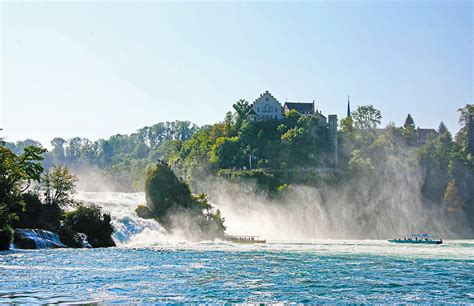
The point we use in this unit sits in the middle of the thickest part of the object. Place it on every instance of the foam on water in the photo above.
(130, 230)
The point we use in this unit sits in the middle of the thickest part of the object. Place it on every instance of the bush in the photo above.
(92, 222)
(6, 232)
(35, 214)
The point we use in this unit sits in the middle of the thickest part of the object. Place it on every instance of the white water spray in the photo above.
(130, 230)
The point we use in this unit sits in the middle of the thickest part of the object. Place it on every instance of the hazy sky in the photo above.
(94, 69)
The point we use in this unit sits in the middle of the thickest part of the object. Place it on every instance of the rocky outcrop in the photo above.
(144, 212)
(74, 239)
(37, 239)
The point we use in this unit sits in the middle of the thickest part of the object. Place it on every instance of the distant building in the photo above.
(423, 135)
(265, 107)
(306, 109)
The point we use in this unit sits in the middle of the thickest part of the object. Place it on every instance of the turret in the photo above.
(348, 107)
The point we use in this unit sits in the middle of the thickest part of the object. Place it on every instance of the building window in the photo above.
(258, 109)
(266, 99)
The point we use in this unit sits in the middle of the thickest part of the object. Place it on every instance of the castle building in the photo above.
(306, 109)
(267, 107)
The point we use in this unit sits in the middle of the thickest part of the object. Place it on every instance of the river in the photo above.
(151, 266)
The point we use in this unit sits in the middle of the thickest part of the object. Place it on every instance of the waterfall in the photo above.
(130, 230)
(36, 239)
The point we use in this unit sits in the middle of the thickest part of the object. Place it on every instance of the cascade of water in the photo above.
(37, 239)
(130, 230)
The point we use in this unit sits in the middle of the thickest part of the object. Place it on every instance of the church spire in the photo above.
(348, 107)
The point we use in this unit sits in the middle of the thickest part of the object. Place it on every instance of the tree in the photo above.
(347, 124)
(16, 174)
(444, 135)
(465, 136)
(442, 128)
(409, 123)
(242, 107)
(470, 135)
(366, 117)
(58, 150)
(452, 198)
(358, 163)
(59, 186)
(409, 132)
(73, 150)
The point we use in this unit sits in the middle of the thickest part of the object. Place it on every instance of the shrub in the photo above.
(6, 232)
(38, 215)
(92, 222)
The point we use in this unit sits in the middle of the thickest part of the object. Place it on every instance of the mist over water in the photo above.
(382, 206)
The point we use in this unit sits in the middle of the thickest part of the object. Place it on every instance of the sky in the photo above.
(98, 68)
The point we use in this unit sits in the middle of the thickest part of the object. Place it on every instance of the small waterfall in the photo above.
(36, 239)
(130, 230)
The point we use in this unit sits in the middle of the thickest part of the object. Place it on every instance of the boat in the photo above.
(417, 239)
(244, 239)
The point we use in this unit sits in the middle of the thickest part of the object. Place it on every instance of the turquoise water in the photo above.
(311, 271)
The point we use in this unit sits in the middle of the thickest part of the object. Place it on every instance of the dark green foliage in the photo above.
(16, 174)
(22, 209)
(35, 214)
(466, 133)
(295, 142)
(6, 231)
(164, 190)
(409, 123)
(470, 135)
(171, 201)
(92, 222)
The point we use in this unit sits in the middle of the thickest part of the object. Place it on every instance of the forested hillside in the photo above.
(277, 154)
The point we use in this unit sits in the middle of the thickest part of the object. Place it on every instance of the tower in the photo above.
(348, 107)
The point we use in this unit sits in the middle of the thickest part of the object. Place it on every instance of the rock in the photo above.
(36, 239)
(74, 239)
(144, 212)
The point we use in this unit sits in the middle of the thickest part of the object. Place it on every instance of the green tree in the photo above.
(347, 125)
(452, 198)
(16, 174)
(360, 164)
(57, 152)
(366, 117)
(59, 186)
(241, 107)
(465, 136)
(409, 123)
